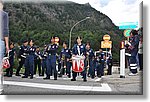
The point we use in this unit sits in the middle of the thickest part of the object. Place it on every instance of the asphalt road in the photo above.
(111, 84)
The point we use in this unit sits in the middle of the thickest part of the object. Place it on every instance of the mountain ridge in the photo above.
(43, 20)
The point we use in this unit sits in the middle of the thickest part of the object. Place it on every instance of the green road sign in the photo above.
(127, 33)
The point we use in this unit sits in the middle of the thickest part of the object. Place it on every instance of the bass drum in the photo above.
(5, 63)
(78, 63)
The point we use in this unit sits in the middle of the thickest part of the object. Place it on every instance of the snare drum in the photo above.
(78, 63)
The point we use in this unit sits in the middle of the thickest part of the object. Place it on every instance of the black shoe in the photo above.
(18, 75)
(55, 78)
(84, 80)
(68, 75)
(73, 79)
(92, 77)
(24, 77)
(9, 76)
(31, 77)
(46, 78)
(6, 75)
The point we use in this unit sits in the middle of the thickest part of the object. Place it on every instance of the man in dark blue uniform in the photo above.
(79, 49)
(51, 59)
(22, 56)
(65, 56)
(44, 57)
(29, 62)
(89, 60)
(9, 71)
(37, 61)
(100, 63)
(133, 47)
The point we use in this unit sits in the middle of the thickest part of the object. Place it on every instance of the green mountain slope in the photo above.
(43, 20)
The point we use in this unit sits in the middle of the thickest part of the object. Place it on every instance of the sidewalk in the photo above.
(127, 85)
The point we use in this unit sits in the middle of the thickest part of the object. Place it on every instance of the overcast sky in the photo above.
(118, 10)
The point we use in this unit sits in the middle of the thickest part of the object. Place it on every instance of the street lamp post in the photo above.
(73, 27)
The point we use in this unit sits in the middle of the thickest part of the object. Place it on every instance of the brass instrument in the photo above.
(63, 60)
(63, 65)
(88, 61)
(38, 56)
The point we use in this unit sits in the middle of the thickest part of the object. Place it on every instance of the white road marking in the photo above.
(67, 78)
(104, 86)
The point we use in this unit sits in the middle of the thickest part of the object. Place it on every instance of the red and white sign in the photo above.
(78, 63)
(106, 37)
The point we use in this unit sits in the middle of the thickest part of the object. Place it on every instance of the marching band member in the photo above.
(79, 49)
(100, 63)
(37, 61)
(109, 63)
(51, 59)
(44, 57)
(9, 71)
(59, 65)
(29, 62)
(89, 60)
(65, 56)
(22, 56)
